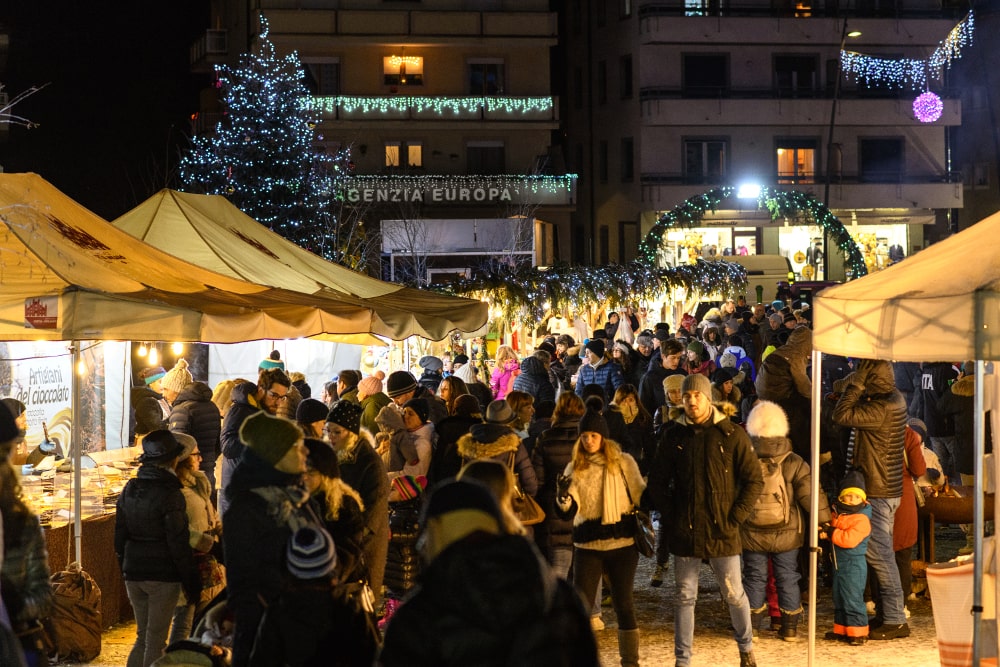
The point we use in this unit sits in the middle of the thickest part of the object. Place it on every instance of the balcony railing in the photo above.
(406, 107)
(658, 8)
(212, 43)
(652, 93)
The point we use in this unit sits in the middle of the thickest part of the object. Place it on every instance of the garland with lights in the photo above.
(909, 72)
(780, 203)
(398, 104)
(529, 294)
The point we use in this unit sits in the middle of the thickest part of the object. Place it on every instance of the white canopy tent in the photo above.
(942, 304)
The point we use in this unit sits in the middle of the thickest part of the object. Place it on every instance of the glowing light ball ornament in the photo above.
(928, 107)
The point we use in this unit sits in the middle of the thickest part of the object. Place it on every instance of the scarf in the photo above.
(613, 491)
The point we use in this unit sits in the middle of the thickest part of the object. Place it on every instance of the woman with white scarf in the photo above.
(593, 488)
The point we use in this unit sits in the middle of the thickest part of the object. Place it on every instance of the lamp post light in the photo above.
(844, 34)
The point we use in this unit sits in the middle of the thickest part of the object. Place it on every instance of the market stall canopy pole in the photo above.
(208, 230)
(67, 274)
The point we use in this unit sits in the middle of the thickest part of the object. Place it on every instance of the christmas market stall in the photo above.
(933, 306)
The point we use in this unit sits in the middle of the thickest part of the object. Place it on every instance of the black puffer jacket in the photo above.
(489, 601)
(364, 471)
(874, 408)
(151, 531)
(243, 404)
(704, 481)
(551, 455)
(534, 380)
(194, 413)
(959, 405)
(27, 592)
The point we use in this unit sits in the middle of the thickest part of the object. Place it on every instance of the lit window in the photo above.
(404, 154)
(403, 70)
(796, 159)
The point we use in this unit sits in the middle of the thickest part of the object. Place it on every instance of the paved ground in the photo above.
(713, 645)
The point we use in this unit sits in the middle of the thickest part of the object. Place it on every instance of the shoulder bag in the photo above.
(644, 535)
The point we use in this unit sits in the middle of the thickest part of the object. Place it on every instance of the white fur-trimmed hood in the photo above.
(767, 420)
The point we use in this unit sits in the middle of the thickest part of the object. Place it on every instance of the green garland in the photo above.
(528, 294)
(780, 203)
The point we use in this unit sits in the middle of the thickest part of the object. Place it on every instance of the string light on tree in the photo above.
(928, 107)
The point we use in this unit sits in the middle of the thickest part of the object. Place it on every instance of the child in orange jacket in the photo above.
(851, 526)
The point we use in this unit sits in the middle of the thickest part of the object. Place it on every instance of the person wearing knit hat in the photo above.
(345, 415)
(151, 377)
(849, 532)
(594, 422)
(175, 380)
(273, 360)
(372, 400)
(595, 345)
(707, 471)
(406, 487)
(275, 440)
(416, 415)
(399, 386)
(431, 376)
(369, 386)
(672, 390)
(459, 361)
(419, 407)
(148, 416)
(311, 415)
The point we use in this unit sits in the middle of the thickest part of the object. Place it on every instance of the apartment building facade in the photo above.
(666, 100)
(448, 111)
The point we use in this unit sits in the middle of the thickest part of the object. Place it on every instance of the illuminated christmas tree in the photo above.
(263, 156)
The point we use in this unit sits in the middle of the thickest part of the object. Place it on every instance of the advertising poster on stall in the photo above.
(39, 374)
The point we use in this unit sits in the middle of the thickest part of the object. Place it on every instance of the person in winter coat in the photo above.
(341, 510)
(347, 385)
(449, 390)
(698, 359)
(957, 404)
(639, 424)
(269, 393)
(725, 389)
(372, 400)
(552, 453)
(705, 481)
(401, 386)
(393, 442)
(534, 380)
(193, 412)
(598, 370)
(935, 381)
(446, 461)
(623, 354)
(784, 379)
(767, 426)
(850, 531)
(600, 487)
(150, 388)
(416, 418)
(467, 373)
(204, 528)
(667, 362)
(485, 597)
(24, 561)
(505, 371)
(152, 545)
(871, 405)
(495, 439)
(363, 470)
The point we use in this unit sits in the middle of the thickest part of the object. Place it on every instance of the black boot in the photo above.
(756, 617)
(747, 659)
(789, 626)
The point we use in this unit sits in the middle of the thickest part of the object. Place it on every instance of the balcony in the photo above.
(209, 50)
(654, 9)
(664, 191)
(437, 109)
(764, 109)
(443, 189)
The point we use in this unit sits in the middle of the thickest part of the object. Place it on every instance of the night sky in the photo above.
(115, 112)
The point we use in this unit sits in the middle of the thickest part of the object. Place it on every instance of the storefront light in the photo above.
(748, 191)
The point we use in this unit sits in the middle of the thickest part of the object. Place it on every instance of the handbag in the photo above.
(644, 535)
(527, 509)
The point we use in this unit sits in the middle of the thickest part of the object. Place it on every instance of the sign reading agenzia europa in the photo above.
(430, 192)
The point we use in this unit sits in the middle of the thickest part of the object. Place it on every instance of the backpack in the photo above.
(772, 508)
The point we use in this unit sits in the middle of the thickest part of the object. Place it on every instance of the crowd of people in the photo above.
(473, 513)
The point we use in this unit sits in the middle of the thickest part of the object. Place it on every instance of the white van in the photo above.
(764, 272)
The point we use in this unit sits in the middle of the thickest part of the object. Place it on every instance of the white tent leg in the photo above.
(76, 447)
(817, 394)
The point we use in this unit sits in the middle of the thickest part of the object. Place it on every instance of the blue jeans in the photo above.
(786, 579)
(153, 603)
(882, 559)
(946, 447)
(727, 572)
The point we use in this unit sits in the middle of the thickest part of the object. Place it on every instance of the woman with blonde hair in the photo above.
(499, 479)
(504, 371)
(600, 488)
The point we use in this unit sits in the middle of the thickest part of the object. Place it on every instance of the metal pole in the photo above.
(978, 440)
(814, 491)
(75, 443)
(829, 149)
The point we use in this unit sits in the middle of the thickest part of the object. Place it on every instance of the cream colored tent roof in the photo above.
(105, 284)
(941, 304)
(209, 231)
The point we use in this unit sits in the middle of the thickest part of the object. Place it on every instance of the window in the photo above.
(705, 75)
(404, 154)
(322, 77)
(796, 75)
(485, 157)
(602, 82)
(486, 76)
(602, 161)
(796, 160)
(881, 160)
(628, 241)
(625, 76)
(403, 70)
(705, 160)
(628, 159)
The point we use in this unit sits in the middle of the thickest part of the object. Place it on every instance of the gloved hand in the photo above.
(562, 486)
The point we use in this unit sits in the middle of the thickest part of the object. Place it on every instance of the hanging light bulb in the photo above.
(142, 350)
(81, 368)
(177, 348)
(154, 357)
